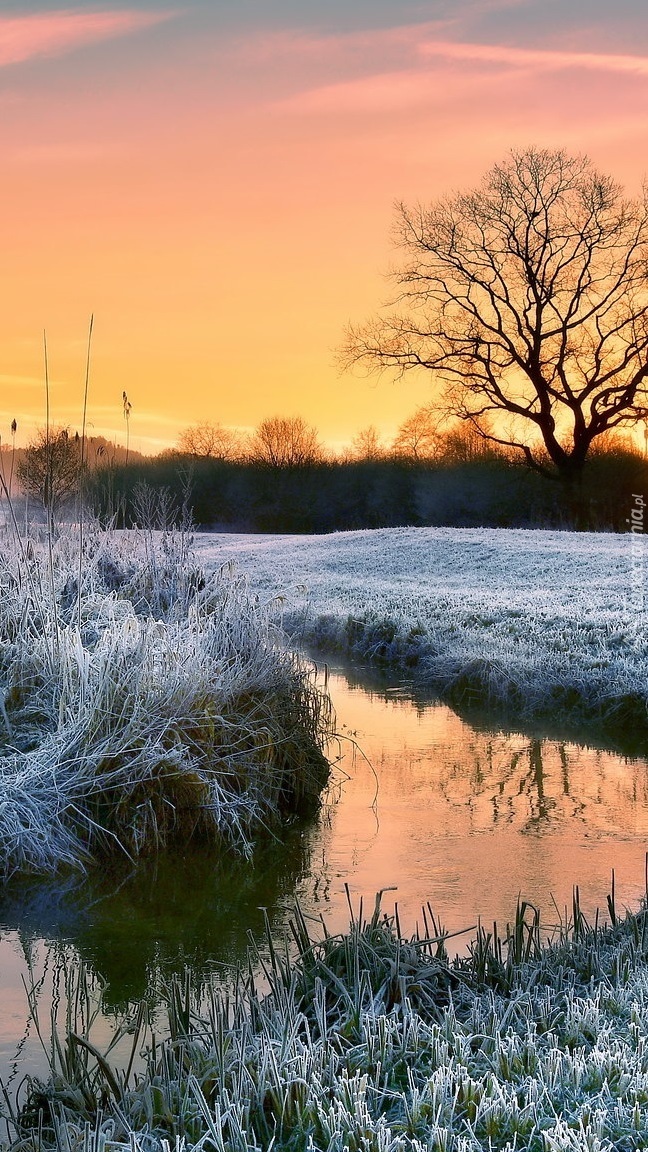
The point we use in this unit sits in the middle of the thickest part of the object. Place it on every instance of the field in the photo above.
(540, 624)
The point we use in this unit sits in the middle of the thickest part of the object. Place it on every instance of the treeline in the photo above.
(389, 491)
(281, 479)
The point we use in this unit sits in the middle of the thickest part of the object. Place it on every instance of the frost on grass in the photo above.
(538, 623)
(150, 704)
(374, 1043)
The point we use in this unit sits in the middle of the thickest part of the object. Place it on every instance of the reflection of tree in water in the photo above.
(541, 805)
(522, 775)
(177, 911)
(507, 773)
(502, 777)
(544, 782)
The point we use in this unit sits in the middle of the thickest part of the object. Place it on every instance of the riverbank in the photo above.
(372, 1041)
(143, 704)
(532, 623)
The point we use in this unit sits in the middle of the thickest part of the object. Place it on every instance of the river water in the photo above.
(455, 816)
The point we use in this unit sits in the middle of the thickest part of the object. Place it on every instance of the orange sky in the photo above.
(219, 192)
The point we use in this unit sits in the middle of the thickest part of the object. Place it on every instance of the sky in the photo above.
(215, 181)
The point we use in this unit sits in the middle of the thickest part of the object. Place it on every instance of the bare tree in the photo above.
(285, 442)
(366, 445)
(418, 437)
(211, 441)
(527, 297)
(461, 443)
(50, 468)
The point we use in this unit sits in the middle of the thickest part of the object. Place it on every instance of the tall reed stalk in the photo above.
(49, 503)
(82, 463)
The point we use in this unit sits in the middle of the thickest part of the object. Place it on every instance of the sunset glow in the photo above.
(217, 187)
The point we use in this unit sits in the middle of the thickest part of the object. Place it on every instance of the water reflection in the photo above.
(469, 817)
(134, 931)
(537, 786)
(194, 909)
(463, 816)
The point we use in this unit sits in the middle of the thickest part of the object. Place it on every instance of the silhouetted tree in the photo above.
(50, 468)
(211, 441)
(527, 296)
(285, 442)
(366, 445)
(418, 437)
(461, 443)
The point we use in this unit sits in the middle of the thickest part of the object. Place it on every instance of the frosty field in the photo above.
(367, 1039)
(545, 624)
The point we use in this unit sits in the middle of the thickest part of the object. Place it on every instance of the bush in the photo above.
(329, 496)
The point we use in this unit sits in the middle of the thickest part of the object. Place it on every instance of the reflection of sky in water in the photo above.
(463, 819)
(469, 819)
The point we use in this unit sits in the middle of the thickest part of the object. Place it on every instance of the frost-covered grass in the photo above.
(539, 623)
(150, 704)
(374, 1042)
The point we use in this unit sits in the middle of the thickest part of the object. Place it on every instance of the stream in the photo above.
(444, 814)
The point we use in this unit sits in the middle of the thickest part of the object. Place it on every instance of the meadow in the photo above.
(536, 624)
(370, 1041)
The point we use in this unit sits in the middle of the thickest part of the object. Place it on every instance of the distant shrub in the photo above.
(384, 492)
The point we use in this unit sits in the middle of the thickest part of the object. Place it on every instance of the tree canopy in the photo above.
(210, 441)
(285, 442)
(51, 467)
(527, 301)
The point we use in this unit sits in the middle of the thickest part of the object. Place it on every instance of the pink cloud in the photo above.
(298, 44)
(53, 33)
(383, 50)
(535, 58)
(378, 93)
(414, 81)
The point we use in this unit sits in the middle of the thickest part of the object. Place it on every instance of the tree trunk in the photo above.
(576, 498)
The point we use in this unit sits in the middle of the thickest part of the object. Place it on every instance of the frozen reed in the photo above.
(370, 1041)
(142, 702)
